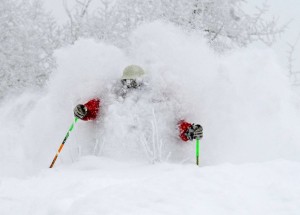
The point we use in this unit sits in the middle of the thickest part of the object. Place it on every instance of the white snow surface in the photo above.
(102, 186)
(131, 161)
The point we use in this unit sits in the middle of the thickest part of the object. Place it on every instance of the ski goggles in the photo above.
(130, 83)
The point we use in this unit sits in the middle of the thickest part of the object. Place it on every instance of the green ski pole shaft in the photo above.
(197, 151)
(63, 142)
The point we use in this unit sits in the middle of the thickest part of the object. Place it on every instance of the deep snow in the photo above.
(243, 100)
(96, 185)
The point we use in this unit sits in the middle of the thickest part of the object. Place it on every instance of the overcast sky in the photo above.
(285, 10)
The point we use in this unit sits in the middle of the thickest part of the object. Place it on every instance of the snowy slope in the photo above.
(130, 161)
(102, 186)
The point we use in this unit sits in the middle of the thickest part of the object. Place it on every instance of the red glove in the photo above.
(183, 127)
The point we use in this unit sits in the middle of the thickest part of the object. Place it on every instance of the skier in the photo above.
(132, 79)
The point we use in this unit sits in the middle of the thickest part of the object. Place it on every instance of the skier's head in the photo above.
(132, 76)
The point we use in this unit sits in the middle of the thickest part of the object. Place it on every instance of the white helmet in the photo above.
(132, 72)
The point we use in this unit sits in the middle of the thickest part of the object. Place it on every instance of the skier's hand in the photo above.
(80, 111)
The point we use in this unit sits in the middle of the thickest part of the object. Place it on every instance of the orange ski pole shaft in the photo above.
(63, 142)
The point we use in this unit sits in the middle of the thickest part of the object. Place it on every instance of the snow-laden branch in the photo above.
(28, 37)
(222, 22)
(294, 75)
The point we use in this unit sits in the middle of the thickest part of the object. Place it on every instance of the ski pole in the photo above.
(63, 142)
(197, 151)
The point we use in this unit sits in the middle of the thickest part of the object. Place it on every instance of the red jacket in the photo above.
(183, 127)
(93, 109)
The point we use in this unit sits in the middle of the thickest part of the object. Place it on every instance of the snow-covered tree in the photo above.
(224, 23)
(27, 41)
(293, 73)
